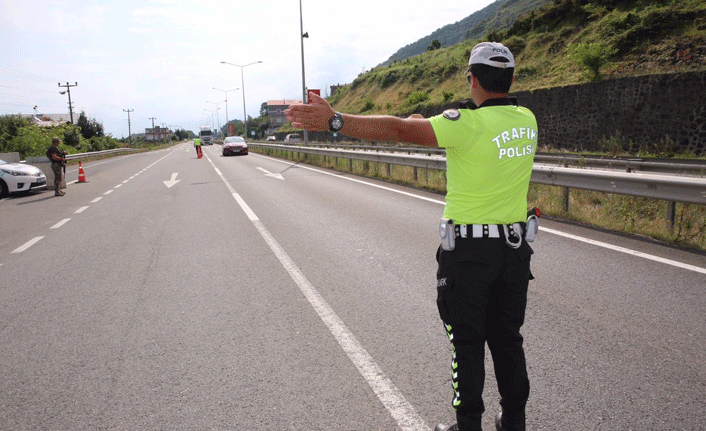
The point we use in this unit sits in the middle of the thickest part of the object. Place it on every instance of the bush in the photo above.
(19, 135)
(591, 56)
(9, 128)
(389, 78)
(368, 105)
(525, 72)
(417, 97)
(515, 44)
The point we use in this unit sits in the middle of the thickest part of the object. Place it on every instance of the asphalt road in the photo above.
(176, 293)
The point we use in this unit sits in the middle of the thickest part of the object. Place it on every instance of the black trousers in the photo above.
(482, 296)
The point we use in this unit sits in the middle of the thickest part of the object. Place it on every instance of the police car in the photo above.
(18, 177)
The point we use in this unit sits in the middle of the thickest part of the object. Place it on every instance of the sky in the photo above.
(161, 59)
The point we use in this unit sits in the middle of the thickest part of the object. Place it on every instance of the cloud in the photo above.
(90, 19)
(51, 18)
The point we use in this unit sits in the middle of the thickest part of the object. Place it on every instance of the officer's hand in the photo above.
(313, 116)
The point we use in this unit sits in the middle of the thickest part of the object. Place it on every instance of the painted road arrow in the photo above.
(173, 181)
(270, 174)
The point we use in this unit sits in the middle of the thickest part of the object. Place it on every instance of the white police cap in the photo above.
(484, 51)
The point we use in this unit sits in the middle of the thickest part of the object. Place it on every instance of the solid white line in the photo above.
(60, 224)
(626, 250)
(80, 210)
(394, 401)
(28, 244)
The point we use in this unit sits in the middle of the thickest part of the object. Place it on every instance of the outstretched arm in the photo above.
(316, 114)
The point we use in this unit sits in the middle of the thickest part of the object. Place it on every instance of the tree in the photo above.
(89, 127)
(435, 44)
(183, 135)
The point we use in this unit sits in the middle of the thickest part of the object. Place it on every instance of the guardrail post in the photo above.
(565, 200)
(414, 173)
(671, 215)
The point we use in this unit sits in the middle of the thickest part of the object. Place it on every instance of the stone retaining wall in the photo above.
(656, 113)
(651, 112)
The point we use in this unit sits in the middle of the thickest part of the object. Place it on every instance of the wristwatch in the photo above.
(336, 122)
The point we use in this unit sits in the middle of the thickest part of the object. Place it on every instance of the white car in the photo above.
(293, 137)
(18, 177)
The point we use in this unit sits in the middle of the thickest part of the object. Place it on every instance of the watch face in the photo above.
(336, 123)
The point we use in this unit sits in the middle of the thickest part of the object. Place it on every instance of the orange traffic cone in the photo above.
(81, 174)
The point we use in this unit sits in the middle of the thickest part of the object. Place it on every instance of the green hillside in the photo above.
(554, 45)
(498, 15)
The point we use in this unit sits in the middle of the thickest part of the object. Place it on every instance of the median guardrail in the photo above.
(625, 163)
(665, 187)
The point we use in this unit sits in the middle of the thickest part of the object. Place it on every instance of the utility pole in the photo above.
(68, 90)
(129, 132)
(154, 135)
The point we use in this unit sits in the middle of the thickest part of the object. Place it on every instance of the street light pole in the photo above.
(305, 97)
(218, 120)
(226, 92)
(242, 79)
(212, 111)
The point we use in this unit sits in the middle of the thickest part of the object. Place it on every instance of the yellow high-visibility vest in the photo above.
(489, 157)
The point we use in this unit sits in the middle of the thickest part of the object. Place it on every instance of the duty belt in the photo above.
(512, 232)
(477, 231)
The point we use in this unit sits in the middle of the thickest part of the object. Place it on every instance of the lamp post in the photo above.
(226, 92)
(305, 97)
(218, 120)
(211, 111)
(242, 83)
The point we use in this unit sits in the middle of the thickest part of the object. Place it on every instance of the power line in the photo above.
(17, 74)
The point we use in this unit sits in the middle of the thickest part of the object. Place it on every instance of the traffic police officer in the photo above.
(483, 261)
(197, 145)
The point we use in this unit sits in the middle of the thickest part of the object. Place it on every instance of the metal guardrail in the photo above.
(628, 164)
(671, 188)
(98, 153)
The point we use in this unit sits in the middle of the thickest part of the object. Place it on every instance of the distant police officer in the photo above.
(483, 261)
(197, 145)
(57, 161)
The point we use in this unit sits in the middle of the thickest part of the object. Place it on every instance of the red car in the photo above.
(234, 145)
